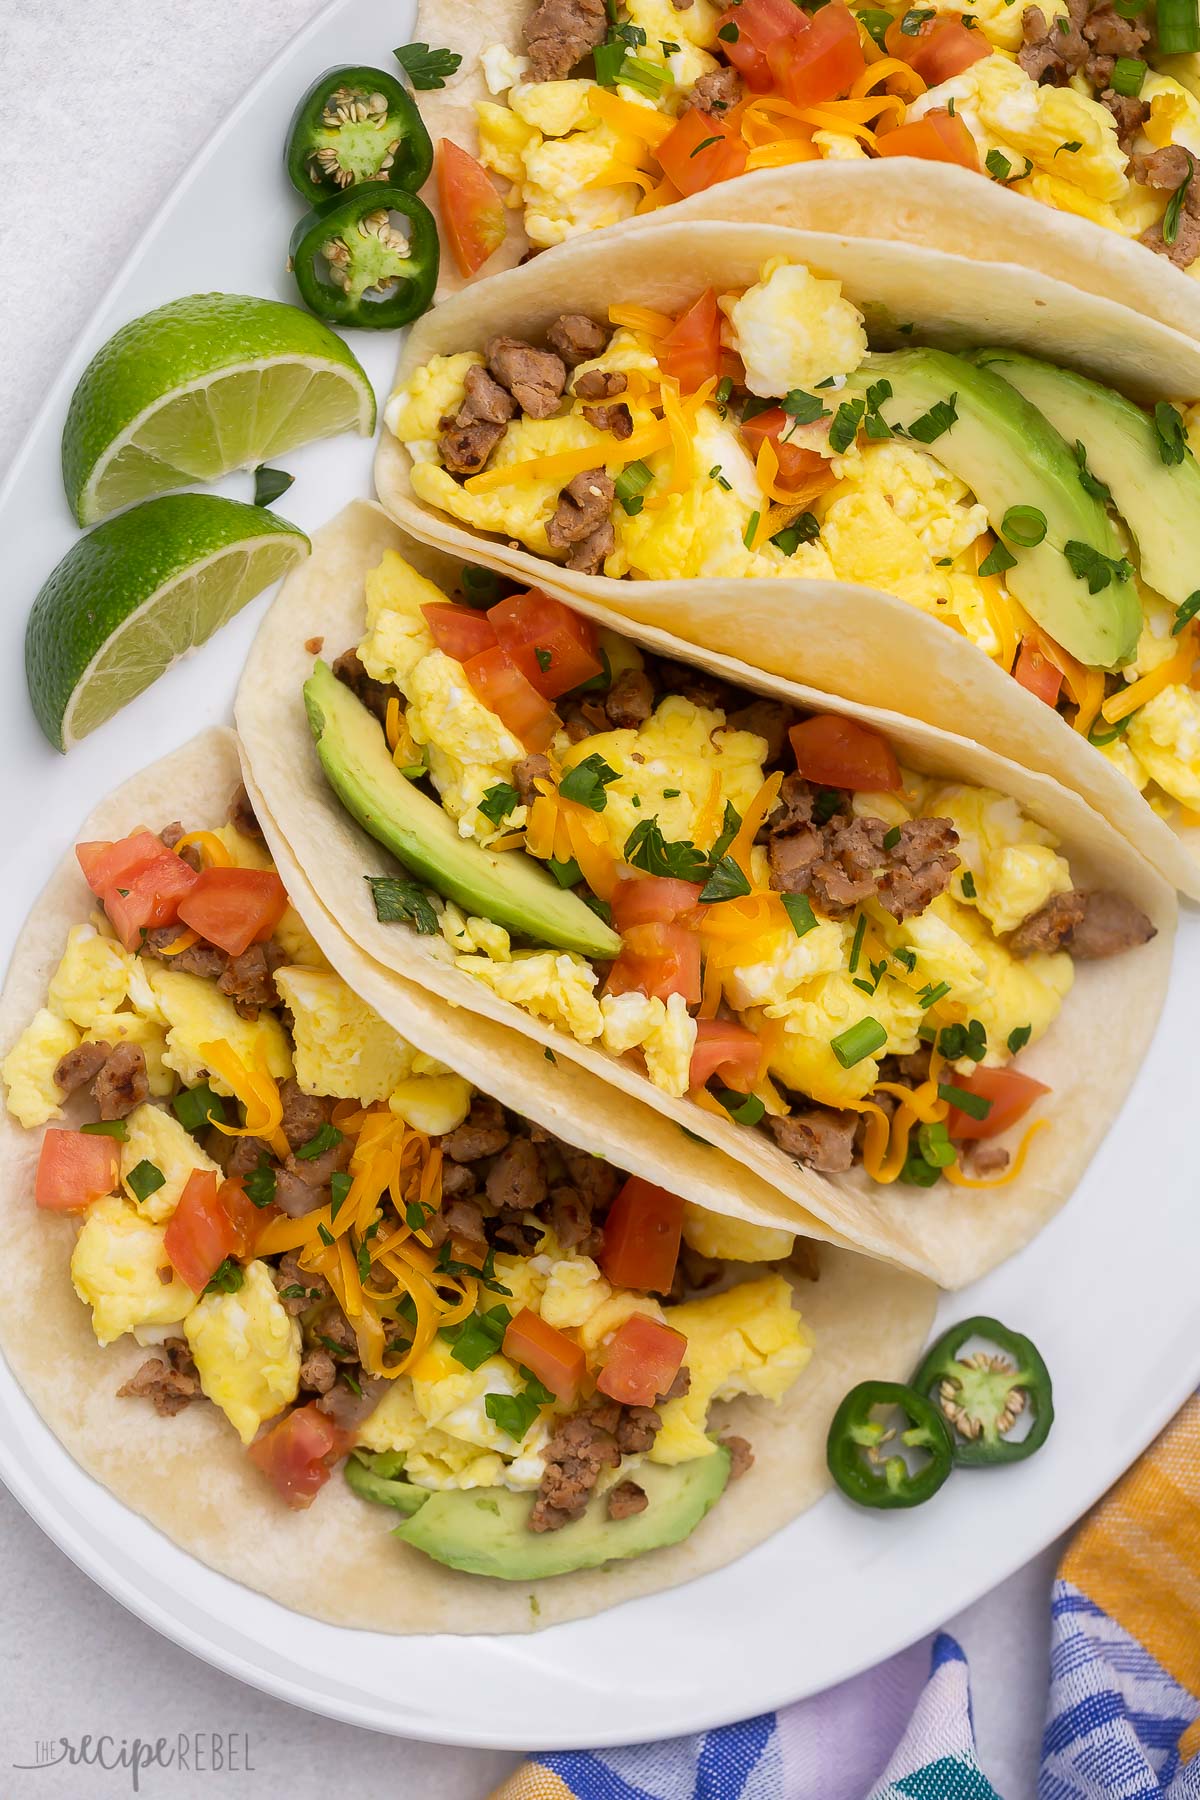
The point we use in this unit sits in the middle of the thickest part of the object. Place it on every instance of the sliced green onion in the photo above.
(1024, 525)
(746, 1109)
(935, 1145)
(1178, 27)
(856, 946)
(608, 59)
(647, 77)
(109, 1128)
(629, 485)
(1187, 611)
(861, 1040)
(929, 996)
(997, 164)
(751, 528)
(974, 1105)
(1127, 77)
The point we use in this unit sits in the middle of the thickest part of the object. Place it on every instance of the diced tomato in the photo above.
(841, 753)
(825, 62)
(647, 899)
(234, 908)
(554, 647)
(641, 1237)
(643, 1360)
(472, 211)
(503, 689)
(941, 49)
(1035, 671)
(75, 1168)
(200, 1233)
(691, 351)
(800, 470)
(557, 1360)
(295, 1454)
(106, 864)
(140, 881)
(658, 959)
(725, 1048)
(461, 631)
(747, 30)
(248, 1220)
(938, 136)
(1011, 1094)
(699, 151)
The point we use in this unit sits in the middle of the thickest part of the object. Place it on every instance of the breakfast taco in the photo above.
(874, 963)
(933, 124)
(972, 523)
(337, 1320)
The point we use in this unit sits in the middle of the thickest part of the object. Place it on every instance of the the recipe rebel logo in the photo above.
(187, 1753)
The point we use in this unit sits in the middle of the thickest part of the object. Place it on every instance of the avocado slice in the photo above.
(485, 1531)
(378, 1477)
(1009, 455)
(1159, 501)
(509, 887)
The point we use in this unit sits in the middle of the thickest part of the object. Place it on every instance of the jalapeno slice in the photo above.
(982, 1396)
(857, 1447)
(355, 264)
(356, 125)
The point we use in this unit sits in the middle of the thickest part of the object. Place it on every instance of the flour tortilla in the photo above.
(190, 1477)
(939, 206)
(845, 639)
(953, 1233)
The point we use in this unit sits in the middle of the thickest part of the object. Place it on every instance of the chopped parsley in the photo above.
(499, 800)
(587, 781)
(1168, 430)
(327, 1138)
(940, 417)
(998, 559)
(515, 1413)
(801, 531)
(226, 1278)
(1087, 481)
(1019, 1037)
(726, 882)
(145, 1179)
(875, 22)
(339, 1189)
(826, 801)
(804, 409)
(544, 657)
(1170, 224)
(799, 910)
(731, 824)
(427, 68)
(891, 838)
(1093, 567)
(729, 34)
(1186, 613)
(260, 1184)
(647, 849)
(400, 900)
(958, 1041)
(846, 421)
(913, 20)
(197, 1107)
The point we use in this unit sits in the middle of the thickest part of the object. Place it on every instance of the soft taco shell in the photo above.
(850, 640)
(946, 1230)
(190, 1477)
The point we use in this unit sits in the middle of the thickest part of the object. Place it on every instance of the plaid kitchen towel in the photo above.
(1123, 1716)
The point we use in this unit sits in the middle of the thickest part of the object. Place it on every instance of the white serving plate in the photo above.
(1108, 1290)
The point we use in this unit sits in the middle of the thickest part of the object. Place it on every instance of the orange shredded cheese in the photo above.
(618, 174)
(641, 318)
(216, 856)
(257, 1091)
(391, 722)
(1178, 669)
(957, 1179)
(779, 155)
(178, 945)
(757, 811)
(561, 465)
(642, 122)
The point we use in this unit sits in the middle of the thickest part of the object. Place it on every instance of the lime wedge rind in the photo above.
(138, 593)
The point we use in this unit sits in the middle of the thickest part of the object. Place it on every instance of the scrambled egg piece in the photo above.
(663, 1031)
(415, 411)
(802, 1054)
(523, 507)
(435, 1459)
(1015, 993)
(246, 1350)
(157, 1137)
(1005, 110)
(342, 1047)
(502, 68)
(1164, 736)
(1011, 859)
(783, 963)
(999, 21)
(195, 1013)
(434, 1104)
(574, 1290)
(668, 765)
(733, 1240)
(554, 985)
(470, 750)
(468, 934)
(503, 140)
(839, 146)
(92, 978)
(1156, 645)
(452, 1397)
(397, 636)
(552, 107)
(28, 1069)
(115, 1268)
(793, 329)
(748, 1340)
(132, 1028)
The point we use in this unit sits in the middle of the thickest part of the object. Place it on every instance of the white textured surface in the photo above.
(114, 97)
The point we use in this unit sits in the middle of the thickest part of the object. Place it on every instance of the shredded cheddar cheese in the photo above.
(1178, 669)
(258, 1093)
(957, 1179)
(216, 856)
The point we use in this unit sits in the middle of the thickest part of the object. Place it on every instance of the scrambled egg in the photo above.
(575, 1289)
(469, 935)
(415, 411)
(1164, 736)
(801, 1053)
(783, 964)
(733, 1240)
(246, 1350)
(792, 329)
(999, 21)
(1012, 861)
(557, 986)
(748, 1340)
(157, 1137)
(434, 1104)
(663, 1031)
(91, 979)
(1016, 992)
(28, 1069)
(117, 1267)
(397, 636)
(667, 767)
(470, 750)
(341, 1045)
(196, 1013)
(523, 507)
(1005, 110)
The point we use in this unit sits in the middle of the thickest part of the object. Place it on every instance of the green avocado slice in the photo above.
(509, 887)
(485, 1531)
(379, 1478)
(1009, 455)
(1159, 501)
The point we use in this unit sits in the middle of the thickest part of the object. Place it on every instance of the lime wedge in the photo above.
(138, 593)
(207, 384)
